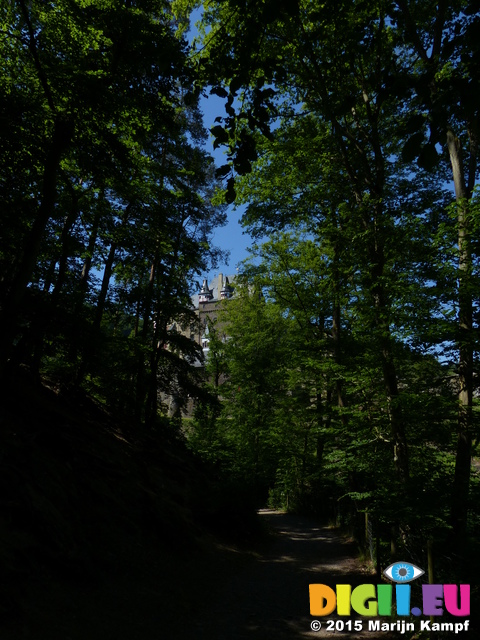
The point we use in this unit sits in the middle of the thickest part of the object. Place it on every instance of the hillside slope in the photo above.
(91, 506)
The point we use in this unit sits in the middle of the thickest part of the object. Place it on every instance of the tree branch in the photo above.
(32, 46)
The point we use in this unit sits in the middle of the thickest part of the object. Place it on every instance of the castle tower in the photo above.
(206, 294)
(226, 290)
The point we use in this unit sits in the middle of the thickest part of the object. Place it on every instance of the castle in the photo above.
(207, 304)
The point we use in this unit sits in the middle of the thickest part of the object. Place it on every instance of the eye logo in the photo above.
(402, 572)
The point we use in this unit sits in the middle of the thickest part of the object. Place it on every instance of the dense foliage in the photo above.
(356, 132)
(342, 377)
(106, 198)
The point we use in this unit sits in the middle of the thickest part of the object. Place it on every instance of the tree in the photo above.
(443, 43)
(110, 213)
(356, 117)
(402, 80)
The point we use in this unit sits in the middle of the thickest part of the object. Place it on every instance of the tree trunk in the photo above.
(142, 384)
(158, 344)
(86, 347)
(336, 335)
(459, 510)
(382, 326)
(60, 140)
(102, 296)
(337, 332)
(87, 265)
(70, 220)
(107, 274)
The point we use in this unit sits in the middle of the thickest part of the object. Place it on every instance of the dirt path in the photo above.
(222, 594)
(268, 598)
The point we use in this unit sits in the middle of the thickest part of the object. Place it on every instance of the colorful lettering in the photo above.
(432, 599)
(344, 592)
(450, 593)
(402, 595)
(372, 600)
(322, 600)
(363, 600)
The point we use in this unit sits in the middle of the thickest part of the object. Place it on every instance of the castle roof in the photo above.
(213, 290)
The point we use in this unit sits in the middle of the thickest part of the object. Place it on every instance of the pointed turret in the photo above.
(226, 291)
(205, 294)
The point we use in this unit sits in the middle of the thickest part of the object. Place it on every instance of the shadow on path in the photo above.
(269, 598)
(223, 594)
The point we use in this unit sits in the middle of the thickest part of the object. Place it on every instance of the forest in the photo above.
(342, 378)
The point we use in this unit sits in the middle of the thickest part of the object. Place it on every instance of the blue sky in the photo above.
(230, 237)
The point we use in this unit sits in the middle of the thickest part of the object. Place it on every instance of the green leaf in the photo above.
(223, 171)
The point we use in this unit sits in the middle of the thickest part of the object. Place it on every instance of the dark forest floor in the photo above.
(268, 598)
(218, 593)
(106, 535)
